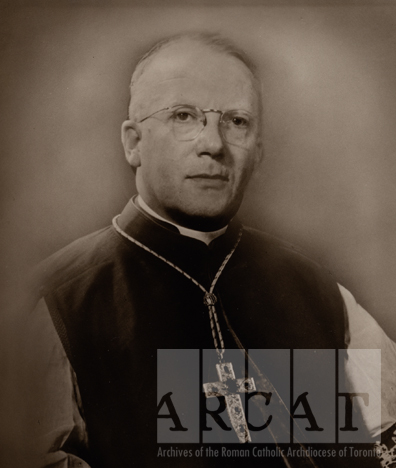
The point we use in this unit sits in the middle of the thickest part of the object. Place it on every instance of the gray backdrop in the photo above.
(327, 182)
(328, 179)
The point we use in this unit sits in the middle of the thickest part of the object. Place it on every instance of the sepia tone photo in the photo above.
(198, 234)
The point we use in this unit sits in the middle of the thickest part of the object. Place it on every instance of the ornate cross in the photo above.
(229, 387)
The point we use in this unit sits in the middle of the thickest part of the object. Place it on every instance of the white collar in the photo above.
(205, 237)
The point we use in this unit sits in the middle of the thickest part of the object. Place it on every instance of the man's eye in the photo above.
(183, 116)
(240, 122)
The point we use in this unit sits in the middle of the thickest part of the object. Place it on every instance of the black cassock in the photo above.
(115, 304)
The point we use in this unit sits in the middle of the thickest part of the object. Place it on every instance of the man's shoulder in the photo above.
(290, 266)
(276, 248)
(79, 258)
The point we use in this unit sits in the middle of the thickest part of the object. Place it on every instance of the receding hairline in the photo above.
(214, 42)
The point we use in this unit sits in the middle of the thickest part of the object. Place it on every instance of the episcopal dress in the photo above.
(114, 305)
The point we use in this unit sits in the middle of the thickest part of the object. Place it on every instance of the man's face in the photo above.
(198, 183)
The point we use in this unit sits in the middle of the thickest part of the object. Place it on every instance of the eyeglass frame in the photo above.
(203, 111)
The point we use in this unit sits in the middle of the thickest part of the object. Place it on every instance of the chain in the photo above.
(209, 299)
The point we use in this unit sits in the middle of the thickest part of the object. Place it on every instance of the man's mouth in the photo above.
(222, 177)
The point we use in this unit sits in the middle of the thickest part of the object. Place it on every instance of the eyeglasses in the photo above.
(187, 122)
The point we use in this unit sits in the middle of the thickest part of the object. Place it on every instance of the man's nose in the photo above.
(210, 140)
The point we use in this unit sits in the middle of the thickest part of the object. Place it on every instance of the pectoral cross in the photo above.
(229, 387)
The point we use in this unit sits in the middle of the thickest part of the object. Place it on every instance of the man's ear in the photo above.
(259, 152)
(130, 137)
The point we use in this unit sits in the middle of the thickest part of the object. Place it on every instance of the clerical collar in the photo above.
(205, 237)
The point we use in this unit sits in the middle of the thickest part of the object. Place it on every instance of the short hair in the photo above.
(214, 41)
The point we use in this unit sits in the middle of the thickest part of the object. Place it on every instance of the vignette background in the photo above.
(328, 180)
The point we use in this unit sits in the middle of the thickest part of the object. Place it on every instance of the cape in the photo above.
(114, 305)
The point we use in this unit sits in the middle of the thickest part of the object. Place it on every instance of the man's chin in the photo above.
(203, 218)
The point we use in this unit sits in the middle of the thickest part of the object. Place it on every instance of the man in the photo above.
(177, 270)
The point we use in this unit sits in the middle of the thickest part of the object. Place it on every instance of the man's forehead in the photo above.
(195, 71)
(189, 54)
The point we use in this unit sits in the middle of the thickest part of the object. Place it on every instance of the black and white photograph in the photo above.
(198, 236)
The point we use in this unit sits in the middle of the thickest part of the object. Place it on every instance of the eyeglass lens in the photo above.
(188, 122)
